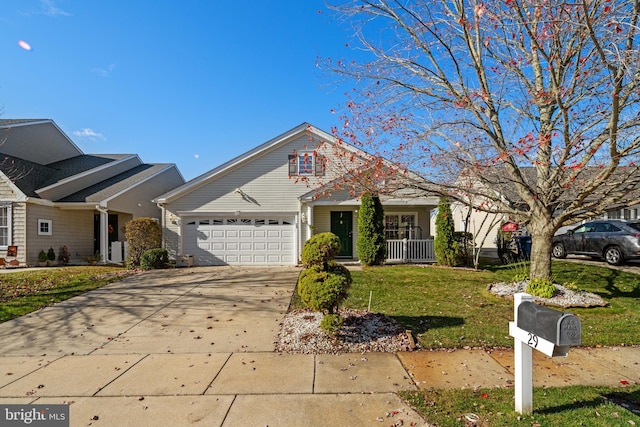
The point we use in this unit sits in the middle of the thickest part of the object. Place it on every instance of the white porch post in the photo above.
(104, 241)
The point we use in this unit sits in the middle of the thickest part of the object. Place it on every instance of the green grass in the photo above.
(566, 406)
(22, 292)
(446, 307)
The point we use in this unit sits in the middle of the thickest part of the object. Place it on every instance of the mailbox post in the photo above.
(548, 331)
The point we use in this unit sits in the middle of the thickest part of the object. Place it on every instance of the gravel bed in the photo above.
(564, 297)
(361, 332)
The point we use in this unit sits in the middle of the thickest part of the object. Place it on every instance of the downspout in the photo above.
(104, 244)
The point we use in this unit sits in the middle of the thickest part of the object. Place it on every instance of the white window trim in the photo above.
(9, 224)
(312, 169)
(49, 227)
(399, 215)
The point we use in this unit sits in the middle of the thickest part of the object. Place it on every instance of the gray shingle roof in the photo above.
(112, 186)
(29, 176)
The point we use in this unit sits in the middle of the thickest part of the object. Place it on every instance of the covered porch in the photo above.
(407, 226)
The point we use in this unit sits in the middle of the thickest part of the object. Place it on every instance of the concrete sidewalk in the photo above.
(195, 347)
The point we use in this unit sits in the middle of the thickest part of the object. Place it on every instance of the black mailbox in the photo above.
(562, 329)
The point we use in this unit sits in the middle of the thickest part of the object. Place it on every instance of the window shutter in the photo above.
(293, 170)
(319, 165)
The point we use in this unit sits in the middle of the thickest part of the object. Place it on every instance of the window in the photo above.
(5, 225)
(614, 214)
(401, 226)
(305, 164)
(45, 227)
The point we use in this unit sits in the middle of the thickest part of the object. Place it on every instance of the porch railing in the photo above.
(405, 250)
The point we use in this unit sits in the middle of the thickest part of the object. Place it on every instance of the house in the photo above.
(53, 195)
(260, 207)
(486, 227)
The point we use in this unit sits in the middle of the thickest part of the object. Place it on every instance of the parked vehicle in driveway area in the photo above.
(613, 240)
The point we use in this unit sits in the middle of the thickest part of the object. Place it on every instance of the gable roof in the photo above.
(250, 155)
(115, 185)
(26, 138)
(67, 175)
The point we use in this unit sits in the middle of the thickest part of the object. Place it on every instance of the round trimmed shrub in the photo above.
(154, 259)
(324, 290)
(320, 249)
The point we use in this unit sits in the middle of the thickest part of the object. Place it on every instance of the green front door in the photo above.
(342, 226)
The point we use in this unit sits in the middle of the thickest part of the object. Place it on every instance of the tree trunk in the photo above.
(542, 242)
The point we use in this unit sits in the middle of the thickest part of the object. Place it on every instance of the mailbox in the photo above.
(562, 329)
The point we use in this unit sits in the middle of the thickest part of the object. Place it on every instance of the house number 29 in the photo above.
(533, 340)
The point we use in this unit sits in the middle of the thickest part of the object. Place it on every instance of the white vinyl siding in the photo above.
(72, 228)
(264, 181)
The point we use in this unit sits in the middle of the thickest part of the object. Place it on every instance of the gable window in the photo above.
(306, 164)
(45, 227)
(5, 225)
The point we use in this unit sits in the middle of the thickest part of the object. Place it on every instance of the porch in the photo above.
(410, 250)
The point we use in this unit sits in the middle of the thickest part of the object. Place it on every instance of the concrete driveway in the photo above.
(192, 347)
(163, 311)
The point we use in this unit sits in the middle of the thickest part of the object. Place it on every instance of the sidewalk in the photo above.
(264, 388)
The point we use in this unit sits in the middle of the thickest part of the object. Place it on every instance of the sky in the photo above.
(190, 82)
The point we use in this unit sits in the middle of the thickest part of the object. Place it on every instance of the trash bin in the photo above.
(524, 244)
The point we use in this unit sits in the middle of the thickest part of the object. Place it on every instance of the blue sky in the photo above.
(191, 82)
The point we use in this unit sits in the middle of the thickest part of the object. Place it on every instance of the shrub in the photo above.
(93, 259)
(542, 288)
(324, 290)
(142, 234)
(371, 245)
(154, 259)
(465, 244)
(320, 249)
(331, 323)
(444, 244)
(42, 256)
(51, 255)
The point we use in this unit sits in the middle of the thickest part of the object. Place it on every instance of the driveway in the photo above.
(197, 310)
(191, 347)
(632, 266)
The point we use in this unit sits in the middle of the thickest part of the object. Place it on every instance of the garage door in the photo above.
(240, 241)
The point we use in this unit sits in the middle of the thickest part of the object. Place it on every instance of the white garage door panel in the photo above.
(240, 241)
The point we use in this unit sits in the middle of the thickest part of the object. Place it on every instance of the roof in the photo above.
(117, 184)
(30, 176)
(41, 162)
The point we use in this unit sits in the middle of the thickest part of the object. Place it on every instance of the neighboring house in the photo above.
(485, 227)
(53, 195)
(260, 208)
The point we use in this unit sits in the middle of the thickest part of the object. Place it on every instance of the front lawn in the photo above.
(564, 406)
(446, 307)
(22, 292)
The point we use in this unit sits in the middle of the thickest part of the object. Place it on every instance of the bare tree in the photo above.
(529, 106)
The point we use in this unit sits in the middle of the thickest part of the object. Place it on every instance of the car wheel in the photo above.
(558, 251)
(613, 255)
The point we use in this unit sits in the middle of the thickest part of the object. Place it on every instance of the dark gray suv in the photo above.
(613, 240)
